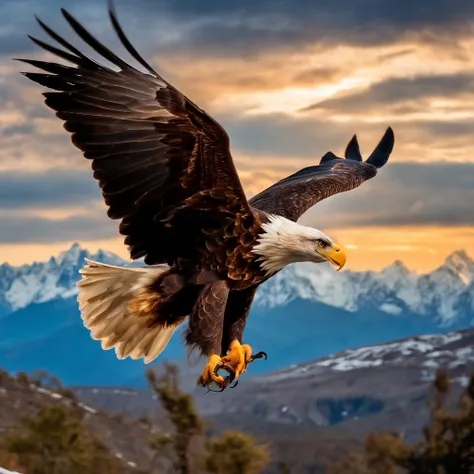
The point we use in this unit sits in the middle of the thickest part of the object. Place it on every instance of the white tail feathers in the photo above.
(105, 293)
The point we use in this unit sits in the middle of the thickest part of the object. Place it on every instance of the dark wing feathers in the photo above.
(352, 150)
(125, 41)
(382, 151)
(293, 196)
(329, 156)
(152, 149)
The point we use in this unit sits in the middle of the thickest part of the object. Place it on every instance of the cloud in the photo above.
(408, 194)
(284, 142)
(248, 26)
(52, 189)
(30, 229)
(18, 129)
(402, 194)
(449, 128)
(396, 91)
(318, 75)
(280, 135)
(348, 13)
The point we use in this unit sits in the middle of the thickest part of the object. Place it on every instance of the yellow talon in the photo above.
(238, 357)
(210, 374)
(235, 363)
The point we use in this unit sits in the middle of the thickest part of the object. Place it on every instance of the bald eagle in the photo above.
(166, 172)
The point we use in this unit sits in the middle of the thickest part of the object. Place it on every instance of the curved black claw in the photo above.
(229, 369)
(259, 355)
(235, 384)
(227, 380)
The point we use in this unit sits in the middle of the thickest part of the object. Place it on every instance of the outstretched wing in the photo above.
(153, 151)
(293, 196)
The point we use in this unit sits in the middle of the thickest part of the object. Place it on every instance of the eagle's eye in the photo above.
(321, 244)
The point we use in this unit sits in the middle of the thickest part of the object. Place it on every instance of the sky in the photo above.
(289, 83)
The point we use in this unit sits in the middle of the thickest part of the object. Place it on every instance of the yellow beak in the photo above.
(335, 256)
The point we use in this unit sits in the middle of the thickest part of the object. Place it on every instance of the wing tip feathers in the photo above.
(383, 150)
(352, 151)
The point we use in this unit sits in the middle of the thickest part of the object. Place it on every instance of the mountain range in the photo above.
(42, 329)
(445, 294)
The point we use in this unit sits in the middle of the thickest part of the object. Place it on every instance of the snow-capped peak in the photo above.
(397, 269)
(45, 281)
(70, 256)
(460, 264)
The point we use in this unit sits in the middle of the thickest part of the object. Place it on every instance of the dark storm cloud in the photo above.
(30, 229)
(398, 90)
(51, 189)
(244, 27)
(345, 12)
(404, 194)
(371, 22)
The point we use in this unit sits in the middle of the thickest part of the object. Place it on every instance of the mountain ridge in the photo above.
(336, 311)
(446, 294)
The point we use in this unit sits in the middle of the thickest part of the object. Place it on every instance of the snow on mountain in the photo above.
(429, 352)
(446, 294)
(45, 281)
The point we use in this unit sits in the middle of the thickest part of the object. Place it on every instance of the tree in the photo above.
(182, 413)
(54, 441)
(234, 452)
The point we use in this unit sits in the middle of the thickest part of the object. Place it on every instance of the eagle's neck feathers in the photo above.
(283, 242)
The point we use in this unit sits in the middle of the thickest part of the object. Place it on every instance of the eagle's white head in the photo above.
(283, 242)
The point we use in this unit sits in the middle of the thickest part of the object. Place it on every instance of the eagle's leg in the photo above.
(205, 331)
(211, 373)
